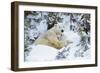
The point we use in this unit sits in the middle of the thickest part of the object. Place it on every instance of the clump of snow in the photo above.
(42, 53)
(33, 34)
(42, 26)
(72, 36)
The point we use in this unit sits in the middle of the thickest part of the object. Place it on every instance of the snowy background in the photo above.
(77, 31)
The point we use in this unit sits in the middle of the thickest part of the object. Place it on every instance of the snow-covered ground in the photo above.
(42, 53)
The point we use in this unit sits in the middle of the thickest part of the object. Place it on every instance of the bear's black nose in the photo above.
(62, 30)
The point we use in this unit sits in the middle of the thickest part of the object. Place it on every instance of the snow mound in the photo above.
(72, 36)
(42, 53)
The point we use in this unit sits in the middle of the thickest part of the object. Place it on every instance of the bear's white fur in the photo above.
(54, 37)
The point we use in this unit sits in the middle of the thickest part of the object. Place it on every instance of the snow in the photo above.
(43, 26)
(33, 34)
(42, 53)
(30, 16)
(72, 36)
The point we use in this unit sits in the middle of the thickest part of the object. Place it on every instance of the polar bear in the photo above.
(54, 37)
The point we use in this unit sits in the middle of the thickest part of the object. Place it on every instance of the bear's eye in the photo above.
(62, 30)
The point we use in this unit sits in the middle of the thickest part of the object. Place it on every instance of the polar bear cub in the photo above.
(54, 37)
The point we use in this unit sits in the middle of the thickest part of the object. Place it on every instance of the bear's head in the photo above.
(59, 28)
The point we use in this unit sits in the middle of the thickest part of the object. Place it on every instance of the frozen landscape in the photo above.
(77, 31)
